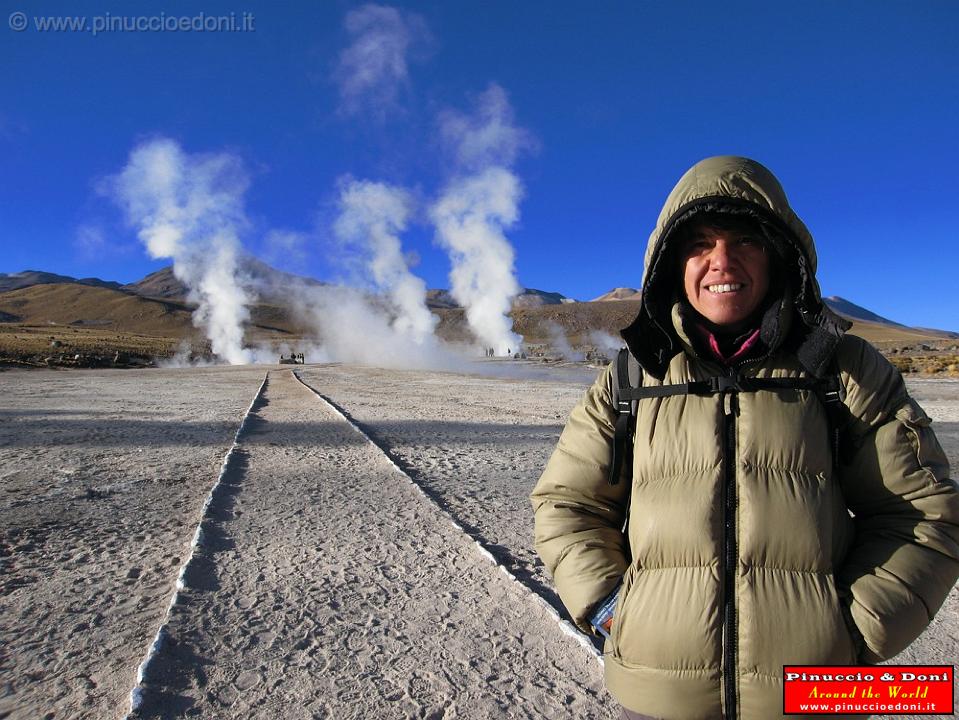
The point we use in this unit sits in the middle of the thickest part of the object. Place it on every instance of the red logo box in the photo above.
(868, 689)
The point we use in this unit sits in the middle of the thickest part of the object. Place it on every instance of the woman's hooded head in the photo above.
(738, 193)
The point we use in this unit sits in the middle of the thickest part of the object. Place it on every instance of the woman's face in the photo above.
(725, 274)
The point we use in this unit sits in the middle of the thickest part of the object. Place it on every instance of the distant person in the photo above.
(756, 427)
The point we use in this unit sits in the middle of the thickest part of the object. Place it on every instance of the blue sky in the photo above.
(853, 105)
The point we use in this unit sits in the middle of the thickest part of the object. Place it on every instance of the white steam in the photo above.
(604, 342)
(470, 219)
(486, 137)
(190, 208)
(373, 70)
(560, 343)
(372, 216)
(349, 327)
(475, 210)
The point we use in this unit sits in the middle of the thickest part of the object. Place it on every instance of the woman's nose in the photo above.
(720, 256)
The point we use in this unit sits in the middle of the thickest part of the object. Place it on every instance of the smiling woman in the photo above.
(725, 271)
(780, 481)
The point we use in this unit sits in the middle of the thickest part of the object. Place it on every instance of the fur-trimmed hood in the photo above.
(739, 186)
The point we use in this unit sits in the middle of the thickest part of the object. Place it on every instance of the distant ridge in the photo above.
(267, 281)
(161, 284)
(856, 312)
(442, 299)
(27, 278)
(620, 293)
(60, 299)
(531, 297)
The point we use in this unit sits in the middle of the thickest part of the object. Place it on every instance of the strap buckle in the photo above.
(834, 392)
(724, 383)
(832, 396)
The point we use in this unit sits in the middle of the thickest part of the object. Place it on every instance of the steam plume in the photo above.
(476, 209)
(372, 217)
(561, 344)
(470, 218)
(190, 208)
(373, 70)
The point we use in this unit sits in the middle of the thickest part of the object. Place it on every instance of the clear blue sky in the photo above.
(853, 105)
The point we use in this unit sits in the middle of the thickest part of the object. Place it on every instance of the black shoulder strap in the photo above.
(832, 394)
(628, 379)
(628, 390)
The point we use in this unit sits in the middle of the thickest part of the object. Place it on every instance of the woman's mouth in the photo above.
(724, 288)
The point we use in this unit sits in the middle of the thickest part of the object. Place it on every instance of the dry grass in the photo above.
(51, 344)
(941, 364)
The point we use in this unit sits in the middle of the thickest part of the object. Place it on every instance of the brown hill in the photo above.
(439, 298)
(86, 306)
(15, 281)
(577, 320)
(160, 284)
(271, 285)
(531, 298)
(856, 312)
(123, 312)
(887, 336)
(620, 293)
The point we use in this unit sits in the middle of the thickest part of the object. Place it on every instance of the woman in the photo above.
(753, 539)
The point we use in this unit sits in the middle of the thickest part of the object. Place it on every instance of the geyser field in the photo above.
(366, 550)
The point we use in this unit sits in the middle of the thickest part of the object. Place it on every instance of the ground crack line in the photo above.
(564, 625)
(136, 694)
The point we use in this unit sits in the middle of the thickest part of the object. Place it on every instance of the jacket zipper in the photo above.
(730, 555)
(730, 403)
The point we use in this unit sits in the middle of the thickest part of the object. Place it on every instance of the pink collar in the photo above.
(744, 348)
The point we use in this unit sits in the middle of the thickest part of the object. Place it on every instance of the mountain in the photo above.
(82, 305)
(440, 299)
(856, 312)
(160, 284)
(27, 278)
(620, 293)
(272, 285)
(531, 298)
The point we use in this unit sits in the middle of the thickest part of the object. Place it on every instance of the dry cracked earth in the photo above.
(334, 577)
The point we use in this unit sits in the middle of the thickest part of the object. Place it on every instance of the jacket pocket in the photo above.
(618, 613)
(844, 600)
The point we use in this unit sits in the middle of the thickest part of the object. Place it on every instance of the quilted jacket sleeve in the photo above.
(578, 514)
(895, 479)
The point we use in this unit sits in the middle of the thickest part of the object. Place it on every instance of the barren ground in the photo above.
(326, 584)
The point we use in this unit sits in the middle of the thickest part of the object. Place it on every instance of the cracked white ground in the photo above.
(325, 585)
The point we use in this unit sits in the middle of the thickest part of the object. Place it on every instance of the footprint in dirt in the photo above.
(421, 689)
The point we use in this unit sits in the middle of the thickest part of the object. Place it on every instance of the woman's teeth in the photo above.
(725, 288)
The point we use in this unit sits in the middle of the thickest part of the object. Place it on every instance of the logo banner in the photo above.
(868, 689)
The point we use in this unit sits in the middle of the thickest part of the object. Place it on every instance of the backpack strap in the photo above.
(832, 394)
(628, 376)
(627, 392)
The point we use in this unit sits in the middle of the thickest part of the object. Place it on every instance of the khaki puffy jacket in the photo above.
(743, 553)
